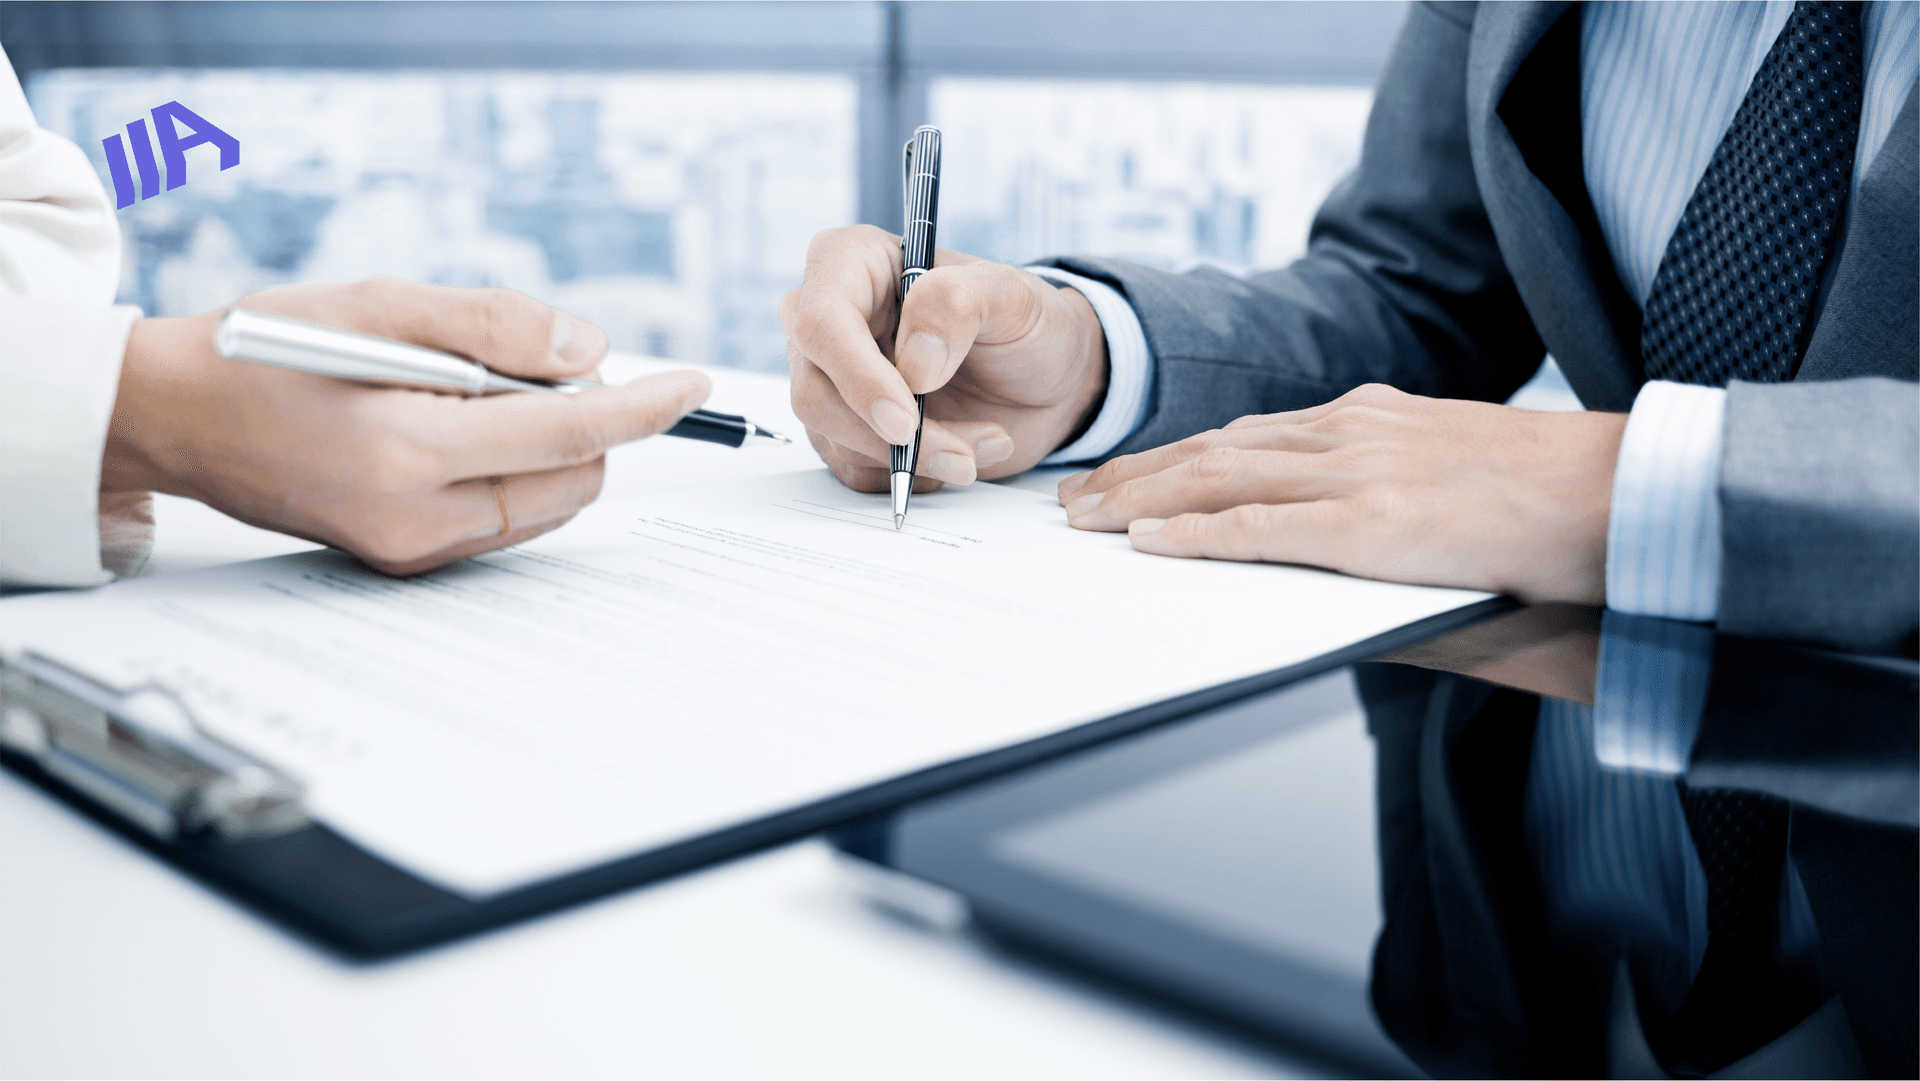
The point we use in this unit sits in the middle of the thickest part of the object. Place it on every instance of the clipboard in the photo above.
(135, 761)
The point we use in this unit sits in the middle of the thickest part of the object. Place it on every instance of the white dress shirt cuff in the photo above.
(1129, 370)
(59, 373)
(1650, 692)
(1663, 536)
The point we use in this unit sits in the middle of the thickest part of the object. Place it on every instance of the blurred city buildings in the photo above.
(674, 209)
(1170, 174)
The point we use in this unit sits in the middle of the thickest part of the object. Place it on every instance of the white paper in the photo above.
(688, 660)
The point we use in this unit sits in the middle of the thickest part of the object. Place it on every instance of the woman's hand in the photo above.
(400, 478)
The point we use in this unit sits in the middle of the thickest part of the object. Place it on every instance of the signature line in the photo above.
(880, 518)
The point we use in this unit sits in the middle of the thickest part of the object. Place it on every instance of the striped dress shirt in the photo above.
(1660, 82)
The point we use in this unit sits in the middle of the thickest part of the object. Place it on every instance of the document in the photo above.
(684, 661)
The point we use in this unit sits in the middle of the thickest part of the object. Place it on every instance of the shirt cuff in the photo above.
(59, 374)
(1650, 692)
(1663, 534)
(1129, 370)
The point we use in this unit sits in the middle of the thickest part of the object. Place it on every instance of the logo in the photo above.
(173, 149)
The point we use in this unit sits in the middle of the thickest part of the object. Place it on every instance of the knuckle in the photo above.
(826, 242)
(1216, 464)
(586, 488)
(821, 242)
(942, 291)
(579, 440)
(1254, 520)
(1245, 530)
(496, 312)
(1201, 442)
(807, 319)
(1105, 475)
(859, 478)
(1348, 417)
(811, 324)
(1386, 507)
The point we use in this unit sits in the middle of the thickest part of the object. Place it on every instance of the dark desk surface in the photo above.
(1527, 929)
(1479, 970)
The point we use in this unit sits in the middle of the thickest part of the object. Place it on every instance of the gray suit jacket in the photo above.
(1465, 247)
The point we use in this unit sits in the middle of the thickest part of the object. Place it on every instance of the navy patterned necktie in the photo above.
(1730, 301)
(1740, 999)
(1731, 295)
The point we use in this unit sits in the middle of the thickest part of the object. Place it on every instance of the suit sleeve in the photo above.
(1402, 283)
(1820, 512)
(59, 352)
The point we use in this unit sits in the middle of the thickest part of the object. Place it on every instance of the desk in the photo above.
(112, 964)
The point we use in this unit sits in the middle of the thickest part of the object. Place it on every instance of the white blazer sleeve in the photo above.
(59, 353)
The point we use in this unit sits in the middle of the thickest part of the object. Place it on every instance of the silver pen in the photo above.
(920, 179)
(343, 354)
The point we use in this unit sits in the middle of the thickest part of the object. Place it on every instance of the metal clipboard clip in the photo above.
(140, 752)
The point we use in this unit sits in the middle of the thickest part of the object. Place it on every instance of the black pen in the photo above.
(309, 347)
(920, 179)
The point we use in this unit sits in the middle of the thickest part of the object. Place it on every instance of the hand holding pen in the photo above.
(1010, 366)
(342, 354)
(406, 482)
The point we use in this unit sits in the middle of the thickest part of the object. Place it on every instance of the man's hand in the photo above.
(399, 478)
(1380, 484)
(1035, 361)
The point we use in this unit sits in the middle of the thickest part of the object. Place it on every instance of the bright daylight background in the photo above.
(670, 199)
(674, 209)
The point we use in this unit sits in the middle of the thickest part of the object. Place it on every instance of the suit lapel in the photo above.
(1867, 322)
(1523, 106)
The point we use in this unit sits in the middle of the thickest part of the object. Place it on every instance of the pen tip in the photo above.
(899, 521)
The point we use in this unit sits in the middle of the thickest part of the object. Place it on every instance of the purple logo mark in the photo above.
(173, 149)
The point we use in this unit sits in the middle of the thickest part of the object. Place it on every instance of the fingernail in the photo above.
(698, 387)
(949, 467)
(992, 451)
(894, 424)
(927, 353)
(574, 342)
(1070, 485)
(1141, 527)
(1084, 504)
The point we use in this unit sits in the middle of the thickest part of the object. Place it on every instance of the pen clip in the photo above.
(906, 180)
(142, 753)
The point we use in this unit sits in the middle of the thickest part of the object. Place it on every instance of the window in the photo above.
(1169, 174)
(671, 209)
(657, 167)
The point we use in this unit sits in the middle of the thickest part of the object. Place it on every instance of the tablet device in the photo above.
(1227, 861)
